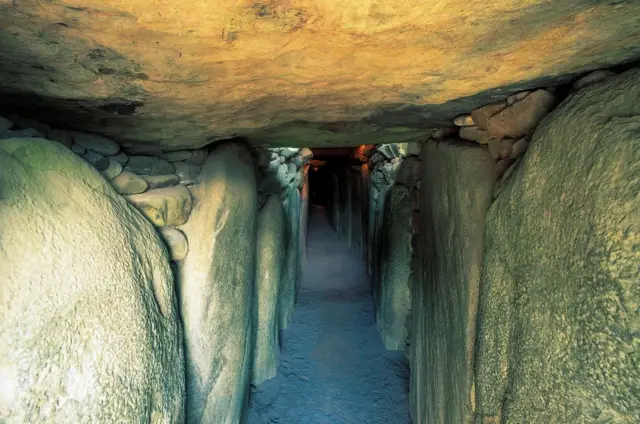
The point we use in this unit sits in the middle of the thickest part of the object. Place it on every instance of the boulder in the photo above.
(288, 152)
(495, 148)
(148, 165)
(456, 193)
(187, 172)
(96, 159)
(270, 248)
(63, 137)
(164, 206)
(198, 156)
(516, 97)
(506, 146)
(521, 117)
(160, 181)
(175, 241)
(593, 77)
(482, 115)
(474, 134)
(128, 183)
(122, 158)
(177, 156)
(519, 147)
(289, 281)
(215, 286)
(96, 143)
(78, 150)
(558, 316)
(393, 304)
(113, 170)
(88, 320)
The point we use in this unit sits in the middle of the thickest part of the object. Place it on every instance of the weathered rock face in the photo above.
(89, 330)
(283, 73)
(558, 317)
(215, 284)
(393, 302)
(289, 284)
(270, 247)
(455, 194)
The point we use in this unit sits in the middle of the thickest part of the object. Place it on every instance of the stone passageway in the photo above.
(334, 368)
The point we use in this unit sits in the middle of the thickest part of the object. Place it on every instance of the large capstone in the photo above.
(215, 284)
(455, 195)
(89, 329)
(558, 317)
(394, 299)
(270, 247)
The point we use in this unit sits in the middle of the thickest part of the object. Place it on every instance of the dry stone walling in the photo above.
(86, 275)
(523, 277)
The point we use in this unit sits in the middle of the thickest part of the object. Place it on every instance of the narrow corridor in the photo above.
(334, 368)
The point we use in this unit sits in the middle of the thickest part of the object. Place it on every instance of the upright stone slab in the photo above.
(356, 212)
(394, 299)
(270, 247)
(559, 325)
(457, 185)
(289, 284)
(335, 203)
(215, 284)
(89, 328)
(344, 190)
(304, 218)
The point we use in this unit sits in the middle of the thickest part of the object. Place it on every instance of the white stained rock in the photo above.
(89, 329)
(128, 183)
(175, 241)
(164, 206)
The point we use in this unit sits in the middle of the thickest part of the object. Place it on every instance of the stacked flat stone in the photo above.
(506, 127)
(157, 186)
(280, 169)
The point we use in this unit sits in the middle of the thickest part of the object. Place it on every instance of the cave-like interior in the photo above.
(323, 212)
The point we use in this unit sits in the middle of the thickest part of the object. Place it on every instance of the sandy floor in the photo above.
(334, 368)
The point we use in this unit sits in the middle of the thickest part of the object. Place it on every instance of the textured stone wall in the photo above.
(89, 327)
(559, 324)
(523, 257)
(204, 208)
(455, 194)
(155, 185)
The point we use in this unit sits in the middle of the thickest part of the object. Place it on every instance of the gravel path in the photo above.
(334, 368)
